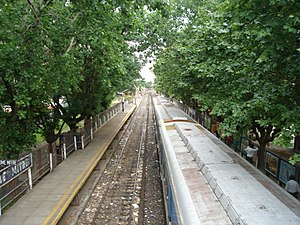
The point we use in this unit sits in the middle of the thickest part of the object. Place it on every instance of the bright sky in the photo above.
(147, 73)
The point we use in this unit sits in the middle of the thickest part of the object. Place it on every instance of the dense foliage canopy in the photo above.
(64, 60)
(240, 60)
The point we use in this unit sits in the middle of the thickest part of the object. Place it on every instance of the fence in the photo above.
(70, 141)
(276, 167)
(279, 169)
(44, 160)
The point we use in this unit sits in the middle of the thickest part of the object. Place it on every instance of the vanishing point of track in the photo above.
(122, 195)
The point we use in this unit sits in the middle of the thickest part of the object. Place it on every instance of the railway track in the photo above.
(128, 191)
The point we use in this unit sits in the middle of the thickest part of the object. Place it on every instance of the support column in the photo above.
(64, 151)
(51, 161)
(30, 178)
(75, 143)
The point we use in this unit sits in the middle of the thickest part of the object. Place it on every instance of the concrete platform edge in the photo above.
(55, 215)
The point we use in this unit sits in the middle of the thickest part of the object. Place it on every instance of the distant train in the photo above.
(205, 182)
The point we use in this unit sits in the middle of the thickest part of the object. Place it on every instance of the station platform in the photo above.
(49, 199)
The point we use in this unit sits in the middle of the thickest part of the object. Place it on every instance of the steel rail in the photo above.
(120, 165)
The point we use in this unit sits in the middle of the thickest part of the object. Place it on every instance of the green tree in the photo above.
(240, 60)
(271, 30)
(101, 45)
(63, 63)
(27, 70)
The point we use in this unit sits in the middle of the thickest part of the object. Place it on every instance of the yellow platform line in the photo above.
(64, 202)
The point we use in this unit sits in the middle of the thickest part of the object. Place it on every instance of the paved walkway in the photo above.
(49, 199)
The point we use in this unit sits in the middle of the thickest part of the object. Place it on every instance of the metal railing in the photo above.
(45, 161)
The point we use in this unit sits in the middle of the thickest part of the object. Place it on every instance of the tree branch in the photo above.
(60, 130)
(254, 129)
(70, 46)
(58, 106)
(48, 2)
(33, 10)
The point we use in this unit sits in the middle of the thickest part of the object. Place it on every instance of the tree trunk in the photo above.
(87, 121)
(262, 155)
(51, 137)
(263, 135)
(72, 125)
(297, 144)
(52, 149)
